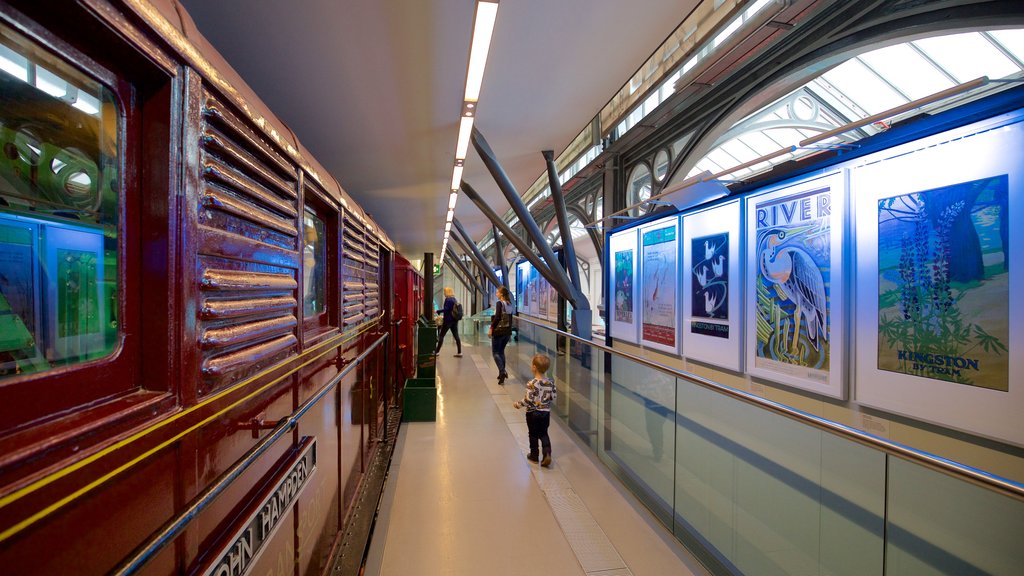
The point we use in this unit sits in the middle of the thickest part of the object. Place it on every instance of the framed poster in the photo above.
(939, 314)
(623, 318)
(660, 281)
(522, 274)
(534, 287)
(542, 296)
(552, 303)
(794, 312)
(712, 286)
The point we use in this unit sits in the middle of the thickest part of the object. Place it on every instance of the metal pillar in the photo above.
(582, 315)
(459, 277)
(519, 243)
(559, 280)
(563, 220)
(471, 284)
(499, 256)
(480, 279)
(471, 249)
(428, 285)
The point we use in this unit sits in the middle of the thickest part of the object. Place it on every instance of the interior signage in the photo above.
(244, 548)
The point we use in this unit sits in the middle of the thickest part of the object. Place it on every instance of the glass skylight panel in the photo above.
(907, 70)
(740, 151)
(1011, 40)
(761, 143)
(755, 8)
(651, 103)
(723, 158)
(864, 87)
(785, 136)
(967, 56)
(728, 31)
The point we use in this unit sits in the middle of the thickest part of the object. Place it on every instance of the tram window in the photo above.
(314, 265)
(59, 153)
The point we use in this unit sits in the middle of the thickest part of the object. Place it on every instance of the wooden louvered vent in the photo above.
(372, 293)
(360, 273)
(353, 268)
(248, 250)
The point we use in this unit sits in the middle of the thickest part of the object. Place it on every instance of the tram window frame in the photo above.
(111, 391)
(323, 323)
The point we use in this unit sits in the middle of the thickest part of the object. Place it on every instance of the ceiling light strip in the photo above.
(483, 29)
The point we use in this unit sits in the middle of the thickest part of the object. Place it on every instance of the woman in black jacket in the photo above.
(448, 322)
(501, 330)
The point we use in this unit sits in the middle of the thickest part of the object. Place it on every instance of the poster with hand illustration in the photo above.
(795, 299)
(711, 286)
(934, 271)
(660, 277)
(622, 285)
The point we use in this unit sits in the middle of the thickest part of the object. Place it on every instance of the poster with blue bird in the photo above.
(710, 282)
(795, 238)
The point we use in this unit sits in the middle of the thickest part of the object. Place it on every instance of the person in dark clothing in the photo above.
(448, 322)
(501, 330)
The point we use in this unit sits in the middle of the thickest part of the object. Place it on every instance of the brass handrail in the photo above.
(957, 470)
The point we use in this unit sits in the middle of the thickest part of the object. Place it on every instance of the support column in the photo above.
(471, 283)
(582, 316)
(559, 280)
(518, 242)
(471, 249)
(499, 256)
(428, 285)
(563, 219)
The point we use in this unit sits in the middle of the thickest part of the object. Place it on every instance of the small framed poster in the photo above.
(795, 294)
(623, 318)
(940, 330)
(659, 281)
(712, 286)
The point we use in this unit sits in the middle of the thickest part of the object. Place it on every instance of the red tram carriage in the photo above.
(200, 332)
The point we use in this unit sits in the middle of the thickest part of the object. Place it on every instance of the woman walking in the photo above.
(501, 330)
(448, 322)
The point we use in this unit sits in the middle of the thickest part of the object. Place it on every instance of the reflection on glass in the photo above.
(314, 265)
(661, 164)
(58, 211)
(640, 187)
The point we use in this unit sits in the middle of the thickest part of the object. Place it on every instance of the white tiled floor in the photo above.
(462, 499)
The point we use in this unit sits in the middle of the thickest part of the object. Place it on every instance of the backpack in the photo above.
(457, 311)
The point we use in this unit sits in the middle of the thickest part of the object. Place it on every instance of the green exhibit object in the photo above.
(419, 400)
(426, 341)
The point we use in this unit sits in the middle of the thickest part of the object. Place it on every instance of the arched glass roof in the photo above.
(861, 87)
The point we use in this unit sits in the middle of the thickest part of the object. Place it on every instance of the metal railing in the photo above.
(173, 527)
(955, 469)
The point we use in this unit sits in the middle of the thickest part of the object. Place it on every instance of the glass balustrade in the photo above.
(756, 490)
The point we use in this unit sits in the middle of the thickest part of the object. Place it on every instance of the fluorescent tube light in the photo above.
(452, 199)
(483, 27)
(456, 177)
(465, 129)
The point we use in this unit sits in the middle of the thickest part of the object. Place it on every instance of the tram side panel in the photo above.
(203, 373)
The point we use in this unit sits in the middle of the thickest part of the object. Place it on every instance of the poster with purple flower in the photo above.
(939, 329)
(943, 283)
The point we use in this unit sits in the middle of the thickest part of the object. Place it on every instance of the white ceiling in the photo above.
(373, 88)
